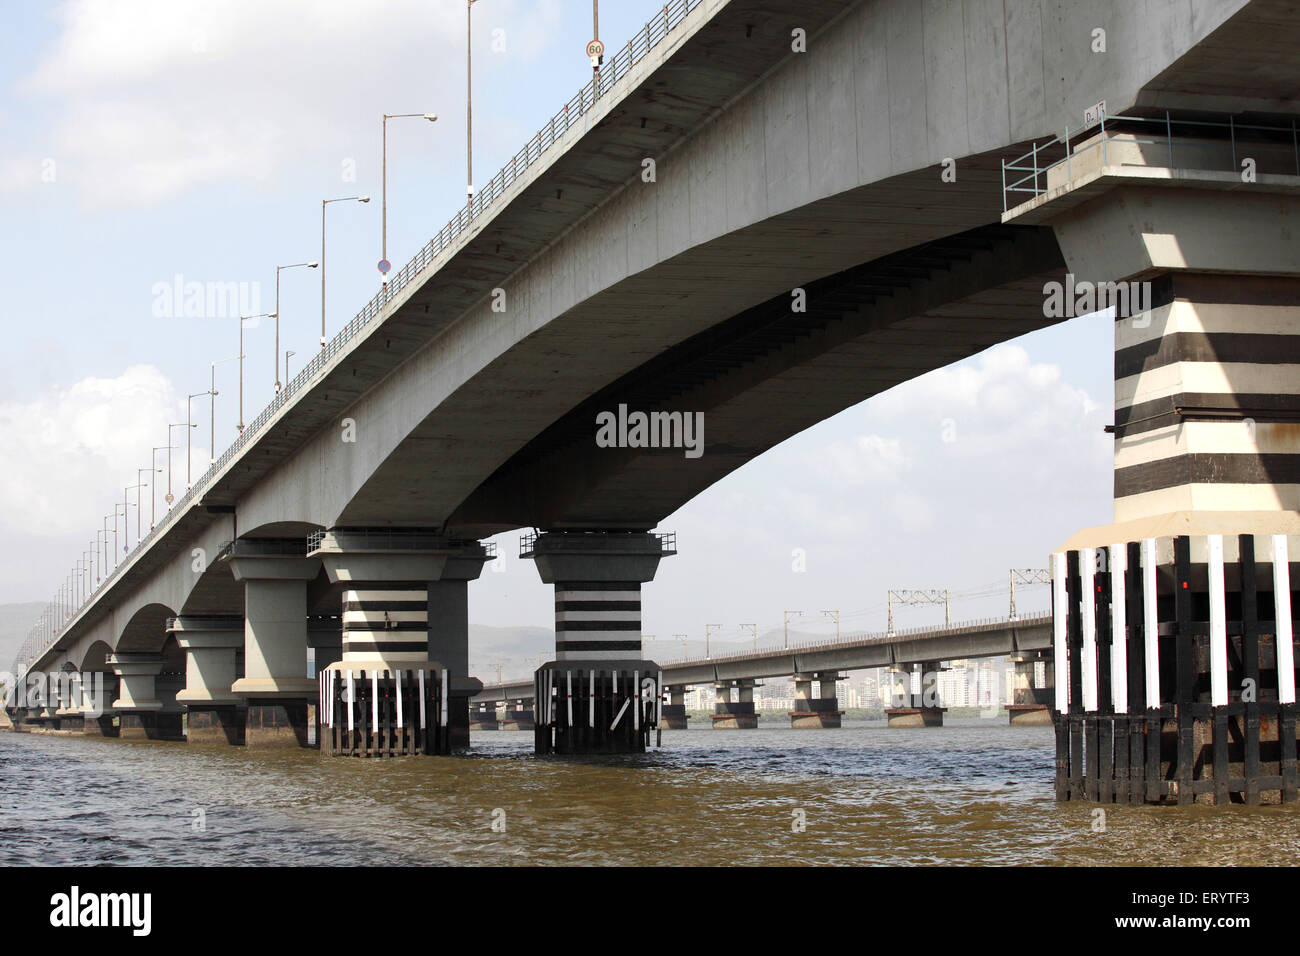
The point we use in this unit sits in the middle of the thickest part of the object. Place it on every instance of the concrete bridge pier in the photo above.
(1173, 635)
(275, 685)
(98, 691)
(598, 656)
(68, 713)
(214, 713)
(919, 699)
(674, 711)
(518, 716)
(735, 714)
(483, 716)
(813, 713)
(141, 714)
(1030, 699)
(405, 606)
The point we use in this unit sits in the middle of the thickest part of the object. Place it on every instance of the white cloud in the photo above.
(152, 97)
(71, 452)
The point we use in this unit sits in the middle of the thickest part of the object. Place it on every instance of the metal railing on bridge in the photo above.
(601, 84)
(1166, 132)
(875, 637)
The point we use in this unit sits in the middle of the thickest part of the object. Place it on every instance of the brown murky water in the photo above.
(972, 793)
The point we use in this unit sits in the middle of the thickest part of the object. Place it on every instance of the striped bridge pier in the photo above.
(399, 687)
(599, 695)
(1175, 674)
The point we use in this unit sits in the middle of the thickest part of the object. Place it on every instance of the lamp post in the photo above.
(126, 545)
(323, 204)
(240, 356)
(276, 356)
(469, 104)
(212, 409)
(287, 353)
(187, 426)
(153, 495)
(383, 171)
(126, 526)
(188, 400)
(140, 485)
(106, 517)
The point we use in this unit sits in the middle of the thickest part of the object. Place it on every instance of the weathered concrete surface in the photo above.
(915, 716)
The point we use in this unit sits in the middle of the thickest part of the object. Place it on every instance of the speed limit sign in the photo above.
(595, 49)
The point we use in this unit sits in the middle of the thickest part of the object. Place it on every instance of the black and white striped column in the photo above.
(1207, 397)
(597, 577)
(389, 622)
(597, 620)
(1175, 663)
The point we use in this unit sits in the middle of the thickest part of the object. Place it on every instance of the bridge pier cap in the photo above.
(386, 555)
(631, 556)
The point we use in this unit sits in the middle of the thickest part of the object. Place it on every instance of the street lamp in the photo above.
(469, 103)
(240, 356)
(188, 400)
(383, 203)
(276, 356)
(126, 533)
(187, 426)
(287, 353)
(153, 495)
(323, 204)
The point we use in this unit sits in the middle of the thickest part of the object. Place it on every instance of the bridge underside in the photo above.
(771, 372)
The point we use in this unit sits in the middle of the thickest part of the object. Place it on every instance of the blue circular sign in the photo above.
(384, 266)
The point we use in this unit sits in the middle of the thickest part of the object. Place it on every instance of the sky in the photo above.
(149, 144)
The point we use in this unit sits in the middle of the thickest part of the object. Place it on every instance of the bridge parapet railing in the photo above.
(667, 540)
(399, 539)
(876, 637)
(616, 67)
(1148, 141)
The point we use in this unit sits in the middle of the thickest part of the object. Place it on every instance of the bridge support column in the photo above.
(405, 613)
(275, 685)
(674, 712)
(214, 713)
(68, 713)
(920, 704)
(735, 714)
(518, 716)
(1029, 705)
(814, 713)
(483, 716)
(98, 691)
(597, 578)
(140, 713)
(1167, 687)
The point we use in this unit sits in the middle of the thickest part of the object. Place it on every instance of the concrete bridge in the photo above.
(764, 213)
(1025, 640)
